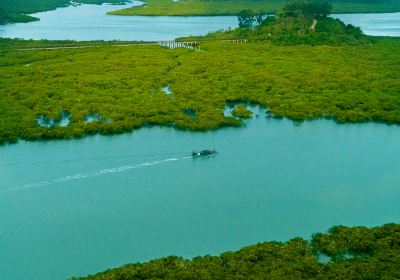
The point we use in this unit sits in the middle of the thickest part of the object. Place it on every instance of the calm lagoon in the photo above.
(74, 207)
(90, 22)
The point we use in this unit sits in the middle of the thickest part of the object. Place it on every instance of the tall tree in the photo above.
(246, 18)
(313, 9)
(3, 16)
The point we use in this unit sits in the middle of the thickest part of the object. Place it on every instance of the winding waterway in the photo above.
(75, 207)
(90, 22)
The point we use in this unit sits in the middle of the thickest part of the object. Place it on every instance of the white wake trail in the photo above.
(86, 175)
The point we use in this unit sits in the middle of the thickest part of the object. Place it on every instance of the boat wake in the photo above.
(22, 226)
(85, 175)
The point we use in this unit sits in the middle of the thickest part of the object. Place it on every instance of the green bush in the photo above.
(241, 111)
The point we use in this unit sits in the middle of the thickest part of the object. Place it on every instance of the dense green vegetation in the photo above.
(4, 18)
(123, 84)
(311, 9)
(233, 7)
(9, 17)
(355, 252)
(241, 111)
(17, 10)
(314, 10)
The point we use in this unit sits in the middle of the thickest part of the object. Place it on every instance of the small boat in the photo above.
(204, 153)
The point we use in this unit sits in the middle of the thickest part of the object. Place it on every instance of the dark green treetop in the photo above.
(312, 9)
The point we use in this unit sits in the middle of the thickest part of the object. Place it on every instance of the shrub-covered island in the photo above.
(241, 111)
(342, 253)
(299, 65)
(300, 23)
(233, 7)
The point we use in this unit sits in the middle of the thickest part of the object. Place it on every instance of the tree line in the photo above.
(352, 253)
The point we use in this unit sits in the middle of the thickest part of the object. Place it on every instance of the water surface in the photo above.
(90, 22)
(387, 24)
(80, 206)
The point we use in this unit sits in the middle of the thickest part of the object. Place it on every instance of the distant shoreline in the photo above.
(26, 15)
(112, 13)
(232, 8)
(18, 12)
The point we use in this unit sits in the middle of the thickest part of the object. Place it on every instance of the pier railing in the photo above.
(195, 45)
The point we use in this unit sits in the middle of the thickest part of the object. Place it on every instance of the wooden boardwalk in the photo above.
(195, 45)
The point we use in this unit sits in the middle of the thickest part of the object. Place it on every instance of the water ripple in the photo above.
(85, 175)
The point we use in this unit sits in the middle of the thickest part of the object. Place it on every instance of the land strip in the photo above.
(19, 10)
(233, 7)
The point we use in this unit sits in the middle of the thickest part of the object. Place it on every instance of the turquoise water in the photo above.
(90, 22)
(80, 206)
(75, 207)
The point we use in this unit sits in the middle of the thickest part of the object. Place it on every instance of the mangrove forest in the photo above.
(341, 253)
(332, 71)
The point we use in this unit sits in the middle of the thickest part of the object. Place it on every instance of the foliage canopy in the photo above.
(313, 9)
(354, 252)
